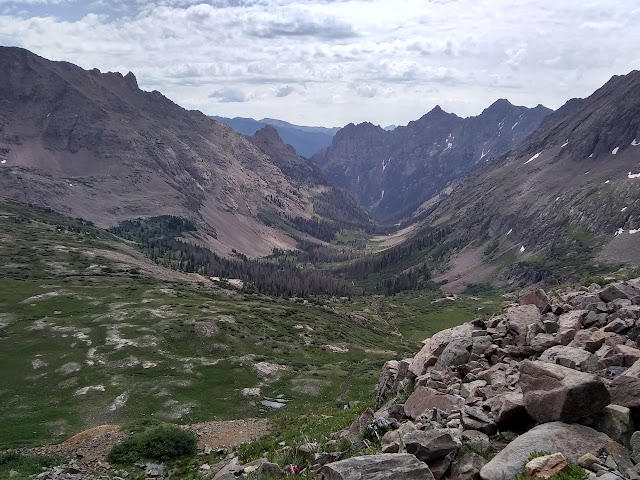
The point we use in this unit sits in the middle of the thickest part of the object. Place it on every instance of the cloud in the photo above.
(229, 95)
(285, 91)
(248, 57)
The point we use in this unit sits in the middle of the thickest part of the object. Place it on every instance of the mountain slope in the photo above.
(555, 206)
(392, 172)
(93, 145)
(305, 140)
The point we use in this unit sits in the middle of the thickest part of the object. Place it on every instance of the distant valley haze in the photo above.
(330, 63)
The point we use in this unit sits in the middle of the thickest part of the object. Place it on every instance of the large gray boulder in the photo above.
(625, 391)
(570, 357)
(569, 325)
(537, 297)
(434, 346)
(431, 445)
(520, 318)
(552, 392)
(572, 441)
(386, 466)
(619, 290)
(456, 353)
(424, 399)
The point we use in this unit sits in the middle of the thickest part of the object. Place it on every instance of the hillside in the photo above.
(556, 206)
(306, 141)
(93, 145)
(393, 172)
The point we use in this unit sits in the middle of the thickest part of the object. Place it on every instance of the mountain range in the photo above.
(93, 145)
(392, 172)
(306, 141)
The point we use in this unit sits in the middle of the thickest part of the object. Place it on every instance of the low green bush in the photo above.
(574, 472)
(159, 442)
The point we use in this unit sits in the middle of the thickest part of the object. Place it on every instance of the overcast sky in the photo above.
(331, 62)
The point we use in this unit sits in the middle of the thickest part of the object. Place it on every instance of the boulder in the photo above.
(387, 381)
(546, 466)
(386, 466)
(424, 399)
(434, 346)
(456, 353)
(360, 423)
(625, 391)
(542, 341)
(616, 422)
(474, 418)
(569, 324)
(552, 392)
(431, 445)
(570, 357)
(506, 406)
(572, 441)
(520, 318)
(479, 442)
(619, 290)
(537, 297)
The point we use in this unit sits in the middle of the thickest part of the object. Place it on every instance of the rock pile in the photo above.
(554, 374)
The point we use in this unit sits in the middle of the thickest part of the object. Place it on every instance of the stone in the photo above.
(441, 466)
(425, 399)
(542, 341)
(386, 466)
(625, 391)
(546, 466)
(617, 325)
(570, 357)
(569, 324)
(586, 460)
(520, 318)
(268, 468)
(434, 346)
(467, 388)
(616, 422)
(571, 440)
(507, 406)
(430, 445)
(456, 353)
(359, 424)
(552, 392)
(635, 442)
(476, 441)
(387, 381)
(474, 418)
(468, 467)
(537, 297)
(619, 290)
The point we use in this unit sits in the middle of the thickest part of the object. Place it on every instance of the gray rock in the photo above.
(570, 323)
(635, 442)
(520, 318)
(386, 466)
(456, 353)
(430, 445)
(617, 325)
(572, 441)
(476, 441)
(474, 418)
(387, 381)
(537, 297)
(423, 400)
(434, 346)
(616, 422)
(552, 392)
(506, 406)
(570, 357)
(625, 391)
(360, 423)
(619, 290)
(542, 341)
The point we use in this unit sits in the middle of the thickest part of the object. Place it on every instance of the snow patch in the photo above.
(620, 231)
(564, 144)
(557, 199)
(533, 158)
(510, 232)
(522, 249)
(608, 181)
(624, 209)
(71, 184)
(514, 125)
(615, 150)
(591, 156)
(384, 166)
(635, 143)
(382, 196)
(3, 161)
(631, 232)
(484, 154)
(634, 175)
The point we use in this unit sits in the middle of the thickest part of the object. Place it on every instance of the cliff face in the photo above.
(392, 172)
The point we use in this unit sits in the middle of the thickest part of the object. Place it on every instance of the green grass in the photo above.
(25, 466)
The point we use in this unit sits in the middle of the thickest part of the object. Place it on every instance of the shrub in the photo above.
(160, 442)
(574, 472)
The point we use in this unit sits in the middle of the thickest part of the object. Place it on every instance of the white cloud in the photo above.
(337, 55)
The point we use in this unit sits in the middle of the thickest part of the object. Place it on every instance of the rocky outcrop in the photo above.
(548, 375)
(386, 466)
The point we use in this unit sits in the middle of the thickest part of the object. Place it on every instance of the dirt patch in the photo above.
(388, 241)
(231, 433)
(465, 268)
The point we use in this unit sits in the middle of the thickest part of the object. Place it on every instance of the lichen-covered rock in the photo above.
(431, 445)
(386, 466)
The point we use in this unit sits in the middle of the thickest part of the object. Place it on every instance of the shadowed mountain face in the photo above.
(567, 197)
(392, 172)
(305, 140)
(93, 145)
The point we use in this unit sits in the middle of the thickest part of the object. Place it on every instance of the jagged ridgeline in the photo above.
(159, 238)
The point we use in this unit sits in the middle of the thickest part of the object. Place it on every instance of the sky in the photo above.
(332, 62)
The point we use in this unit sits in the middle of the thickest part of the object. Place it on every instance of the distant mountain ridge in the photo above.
(392, 172)
(307, 141)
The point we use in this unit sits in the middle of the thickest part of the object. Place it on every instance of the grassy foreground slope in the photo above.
(92, 332)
